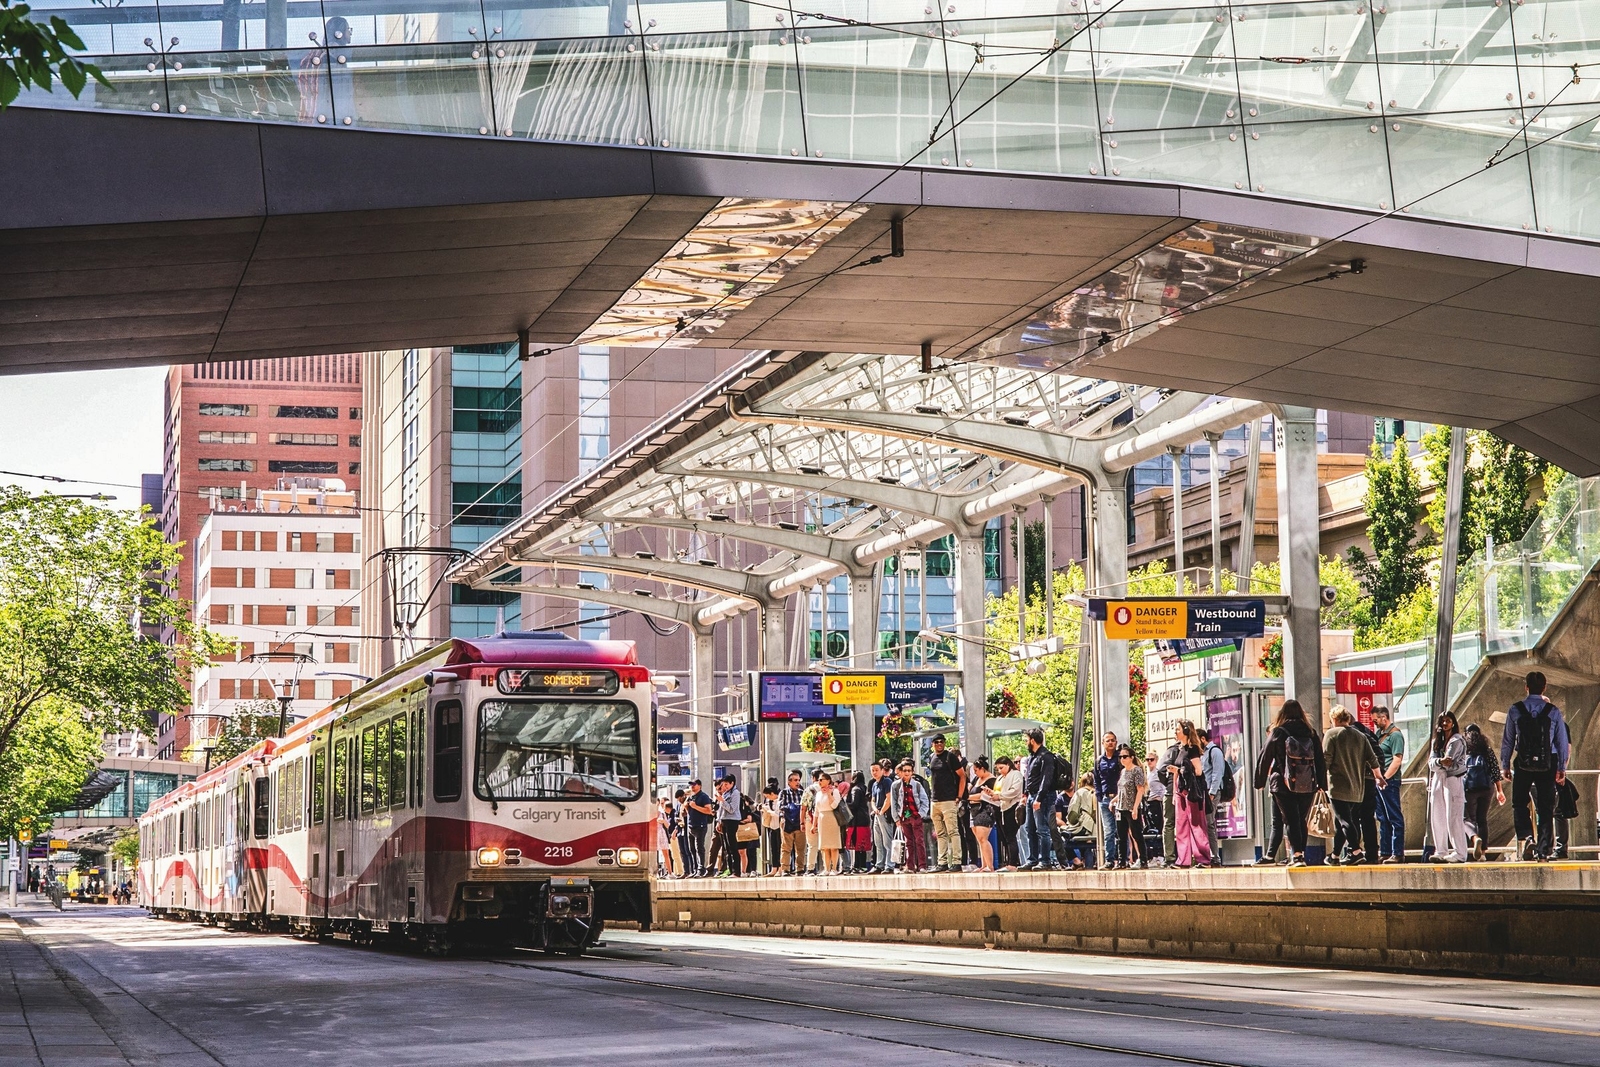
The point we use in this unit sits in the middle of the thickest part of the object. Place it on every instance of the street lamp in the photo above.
(299, 659)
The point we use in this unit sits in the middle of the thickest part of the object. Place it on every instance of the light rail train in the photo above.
(487, 791)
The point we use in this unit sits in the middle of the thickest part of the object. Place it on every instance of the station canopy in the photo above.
(795, 467)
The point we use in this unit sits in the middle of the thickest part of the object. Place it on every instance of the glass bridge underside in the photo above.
(1478, 111)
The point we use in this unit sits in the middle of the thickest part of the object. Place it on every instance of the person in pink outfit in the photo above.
(1194, 844)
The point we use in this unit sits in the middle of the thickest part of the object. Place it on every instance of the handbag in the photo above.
(897, 850)
(1319, 820)
(747, 831)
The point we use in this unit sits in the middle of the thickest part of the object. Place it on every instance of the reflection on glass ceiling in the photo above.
(741, 249)
(1188, 272)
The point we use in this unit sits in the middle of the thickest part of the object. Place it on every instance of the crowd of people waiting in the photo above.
(1133, 812)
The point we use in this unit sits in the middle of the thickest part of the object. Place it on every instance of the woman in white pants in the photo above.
(1447, 799)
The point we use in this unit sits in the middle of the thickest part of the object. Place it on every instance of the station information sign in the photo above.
(558, 682)
(790, 697)
(895, 690)
(1180, 618)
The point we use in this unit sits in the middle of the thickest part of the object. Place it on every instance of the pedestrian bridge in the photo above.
(1380, 210)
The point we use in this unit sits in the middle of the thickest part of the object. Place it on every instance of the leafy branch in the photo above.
(33, 53)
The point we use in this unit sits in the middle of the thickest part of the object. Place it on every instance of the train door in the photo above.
(447, 835)
(256, 855)
(395, 744)
(416, 847)
(341, 829)
(318, 836)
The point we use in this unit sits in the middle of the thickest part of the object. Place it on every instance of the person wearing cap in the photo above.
(947, 772)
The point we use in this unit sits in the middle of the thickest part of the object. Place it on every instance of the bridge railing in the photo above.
(1348, 103)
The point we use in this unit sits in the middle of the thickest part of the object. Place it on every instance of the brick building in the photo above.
(236, 428)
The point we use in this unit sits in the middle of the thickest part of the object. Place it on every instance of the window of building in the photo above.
(304, 411)
(355, 468)
(302, 466)
(355, 413)
(324, 542)
(305, 578)
(325, 616)
(355, 440)
(227, 437)
(294, 541)
(291, 615)
(355, 616)
(304, 438)
(327, 579)
(222, 492)
(487, 410)
(477, 504)
(410, 370)
(245, 410)
(245, 465)
(408, 443)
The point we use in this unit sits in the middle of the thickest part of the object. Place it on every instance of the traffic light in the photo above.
(25, 829)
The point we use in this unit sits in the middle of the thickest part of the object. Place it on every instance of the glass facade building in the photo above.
(485, 472)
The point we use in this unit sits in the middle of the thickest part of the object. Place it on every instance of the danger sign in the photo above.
(1145, 620)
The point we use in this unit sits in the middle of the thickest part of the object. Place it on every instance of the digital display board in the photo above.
(790, 698)
(558, 683)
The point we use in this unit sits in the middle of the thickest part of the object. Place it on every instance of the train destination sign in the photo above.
(1180, 618)
(560, 682)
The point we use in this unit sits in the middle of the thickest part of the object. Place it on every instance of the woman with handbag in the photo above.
(747, 837)
(771, 825)
(829, 838)
(858, 834)
(1194, 844)
(1291, 768)
(1481, 782)
(1447, 802)
(1007, 793)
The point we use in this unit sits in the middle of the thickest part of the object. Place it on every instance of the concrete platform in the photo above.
(1509, 919)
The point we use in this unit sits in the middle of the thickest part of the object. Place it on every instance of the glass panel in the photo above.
(122, 29)
(272, 86)
(1164, 69)
(1427, 154)
(874, 94)
(148, 786)
(114, 805)
(439, 88)
(380, 766)
(1337, 162)
(369, 762)
(366, 22)
(1446, 55)
(1213, 157)
(138, 83)
(1566, 180)
(1302, 61)
(527, 20)
(726, 93)
(589, 89)
(397, 761)
(1018, 113)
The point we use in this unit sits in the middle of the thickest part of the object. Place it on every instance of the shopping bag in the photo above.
(1319, 820)
(897, 850)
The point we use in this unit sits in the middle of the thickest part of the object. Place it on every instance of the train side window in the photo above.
(397, 761)
(341, 777)
(380, 769)
(263, 808)
(241, 811)
(183, 829)
(319, 785)
(447, 751)
(419, 723)
(369, 784)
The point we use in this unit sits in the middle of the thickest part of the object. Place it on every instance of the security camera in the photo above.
(1329, 596)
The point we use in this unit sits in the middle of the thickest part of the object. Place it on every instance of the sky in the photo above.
(99, 426)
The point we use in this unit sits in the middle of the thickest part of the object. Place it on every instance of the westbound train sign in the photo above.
(925, 687)
(1180, 618)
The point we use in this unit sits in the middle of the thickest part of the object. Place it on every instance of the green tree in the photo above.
(251, 722)
(1350, 609)
(1506, 488)
(1033, 556)
(32, 53)
(1436, 447)
(51, 754)
(126, 847)
(75, 588)
(1393, 504)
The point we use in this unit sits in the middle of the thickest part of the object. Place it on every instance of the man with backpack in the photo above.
(1039, 788)
(1350, 761)
(1217, 773)
(1536, 732)
(792, 852)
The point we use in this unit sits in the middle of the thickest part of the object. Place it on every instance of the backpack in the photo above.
(1063, 776)
(1230, 786)
(1477, 776)
(1533, 738)
(1566, 800)
(791, 817)
(1300, 763)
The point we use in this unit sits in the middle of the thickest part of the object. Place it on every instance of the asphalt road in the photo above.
(175, 994)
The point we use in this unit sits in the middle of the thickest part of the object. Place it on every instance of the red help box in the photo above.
(1363, 681)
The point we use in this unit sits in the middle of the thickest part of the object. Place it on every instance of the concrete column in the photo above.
(1247, 511)
(970, 653)
(1109, 550)
(1049, 503)
(1176, 455)
(774, 657)
(1019, 527)
(1299, 536)
(863, 656)
(703, 692)
(1215, 441)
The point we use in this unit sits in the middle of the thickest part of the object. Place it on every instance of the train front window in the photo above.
(558, 750)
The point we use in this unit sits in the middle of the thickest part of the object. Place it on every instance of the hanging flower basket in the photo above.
(816, 738)
(1271, 661)
(893, 726)
(1137, 685)
(1009, 707)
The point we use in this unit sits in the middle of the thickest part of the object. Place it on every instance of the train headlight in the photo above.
(489, 856)
(628, 857)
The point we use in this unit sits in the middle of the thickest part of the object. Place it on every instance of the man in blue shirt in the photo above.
(1537, 732)
(882, 824)
(1107, 771)
(700, 811)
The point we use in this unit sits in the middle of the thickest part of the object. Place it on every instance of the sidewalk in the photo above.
(44, 1021)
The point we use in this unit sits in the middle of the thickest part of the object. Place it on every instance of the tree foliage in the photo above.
(1393, 505)
(126, 847)
(251, 722)
(75, 586)
(32, 53)
(51, 754)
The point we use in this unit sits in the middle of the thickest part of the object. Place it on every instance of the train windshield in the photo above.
(558, 750)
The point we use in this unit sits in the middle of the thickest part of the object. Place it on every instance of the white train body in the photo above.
(488, 790)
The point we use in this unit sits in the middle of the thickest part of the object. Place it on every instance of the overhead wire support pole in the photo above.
(1019, 529)
(1214, 440)
(1176, 452)
(1444, 630)
(1049, 567)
